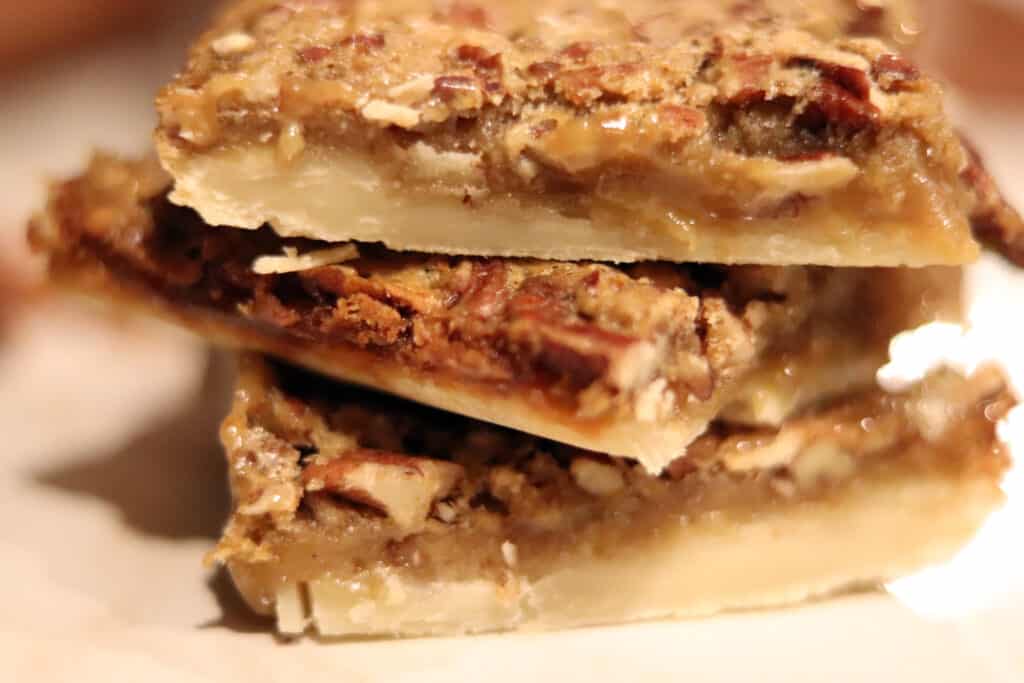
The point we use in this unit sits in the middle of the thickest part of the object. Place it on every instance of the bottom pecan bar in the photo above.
(357, 513)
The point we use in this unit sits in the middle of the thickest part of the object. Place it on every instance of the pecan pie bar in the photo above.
(772, 132)
(632, 360)
(361, 514)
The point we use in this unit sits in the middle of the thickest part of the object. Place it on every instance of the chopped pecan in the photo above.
(364, 42)
(483, 295)
(848, 77)
(481, 58)
(753, 69)
(543, 71)
(578, 51)
(894, 73)
(314, 53)
(583, 353)
(571, 356)
(838, 105)
(344, 281)
(369, 321)
(448, 87)
(620, 78)
(752, 72)
(404, 488)
(581, 86)
(541, 298)
(460, 91)
(681, 120)
(843, 96)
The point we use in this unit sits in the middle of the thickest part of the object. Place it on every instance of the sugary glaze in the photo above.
(757, 132)
(398, 519)
(594, 354)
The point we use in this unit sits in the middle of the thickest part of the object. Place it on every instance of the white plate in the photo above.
(113, 488)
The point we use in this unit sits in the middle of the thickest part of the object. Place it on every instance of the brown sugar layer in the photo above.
(631, 360)
(358, 513)
(754, 132)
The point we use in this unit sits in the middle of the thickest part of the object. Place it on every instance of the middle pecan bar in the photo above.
(627, 360)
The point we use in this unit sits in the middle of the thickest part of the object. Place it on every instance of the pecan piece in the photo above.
(343, 281)
(544, 71)
(314, 53)
(578, 52)
(483, 296)
(402, 487)
(461, 92)
(844, 96)
(681, 121)
(894, 73)
(581, 86)
(847, 77)
(838, 105)
(481, 58)
(364, 42)
(584, 353)
(750, 73)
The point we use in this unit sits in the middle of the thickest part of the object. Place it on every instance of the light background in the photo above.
(113, 488)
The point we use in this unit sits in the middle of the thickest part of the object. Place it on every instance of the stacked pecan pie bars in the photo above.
(572, 310)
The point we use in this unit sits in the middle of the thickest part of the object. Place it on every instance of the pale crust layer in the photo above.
(357, 514)
(632, 361)
(335, 196)
(724, 132)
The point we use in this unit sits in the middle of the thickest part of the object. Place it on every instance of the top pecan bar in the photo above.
(771, 132)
